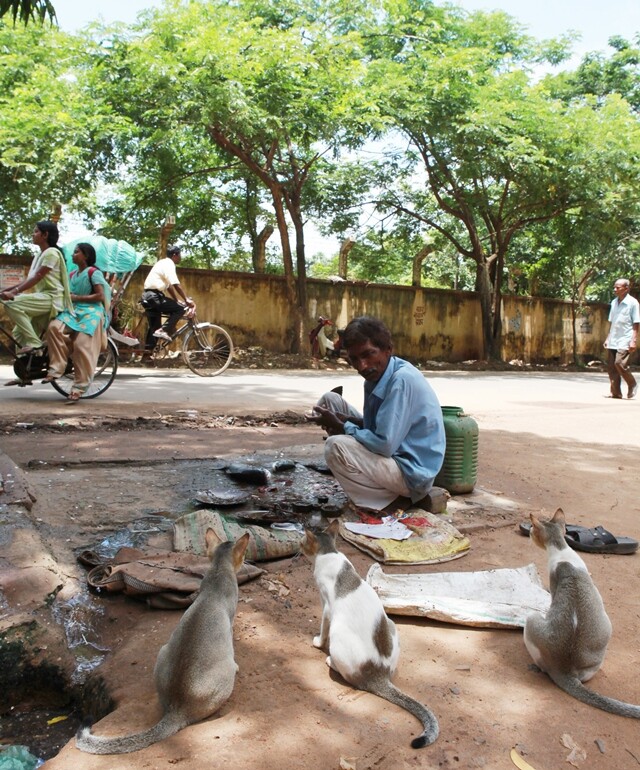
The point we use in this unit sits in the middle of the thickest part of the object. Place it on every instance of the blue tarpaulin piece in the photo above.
(112, 256)
(18, 758)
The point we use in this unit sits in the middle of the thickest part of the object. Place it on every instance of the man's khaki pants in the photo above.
(369, 480)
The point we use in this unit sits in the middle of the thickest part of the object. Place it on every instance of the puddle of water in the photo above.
(77, 616)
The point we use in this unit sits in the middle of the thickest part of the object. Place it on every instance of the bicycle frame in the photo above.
(8, 341)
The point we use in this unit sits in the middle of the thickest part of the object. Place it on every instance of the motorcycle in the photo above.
(321, 345)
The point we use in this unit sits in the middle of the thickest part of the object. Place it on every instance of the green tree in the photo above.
(499, 153)
(54, 139)
(618, 73)
(272, 85)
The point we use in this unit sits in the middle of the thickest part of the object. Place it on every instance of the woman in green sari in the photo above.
(82, 333)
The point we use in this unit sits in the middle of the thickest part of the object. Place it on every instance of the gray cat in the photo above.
(570, 642)
(361, 640)
(195, 670)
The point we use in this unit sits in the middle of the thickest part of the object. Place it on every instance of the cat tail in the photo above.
(385, 689)
(99, 744)
(574, 687)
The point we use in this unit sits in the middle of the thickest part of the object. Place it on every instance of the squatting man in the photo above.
(386, 458)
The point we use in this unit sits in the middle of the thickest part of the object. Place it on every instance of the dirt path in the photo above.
(286, 711)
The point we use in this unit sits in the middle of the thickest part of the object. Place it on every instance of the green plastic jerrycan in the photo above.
(459, 471)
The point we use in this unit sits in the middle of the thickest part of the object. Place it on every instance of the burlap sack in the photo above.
(189, 531)
(165, 579)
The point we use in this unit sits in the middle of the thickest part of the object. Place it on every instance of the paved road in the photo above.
(551, 404)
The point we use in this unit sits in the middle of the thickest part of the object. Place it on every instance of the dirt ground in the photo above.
(286, 709)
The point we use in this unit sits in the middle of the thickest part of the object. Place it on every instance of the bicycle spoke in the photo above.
(105, 373)
(207, 350)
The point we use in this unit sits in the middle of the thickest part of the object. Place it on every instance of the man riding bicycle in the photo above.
(164, 278)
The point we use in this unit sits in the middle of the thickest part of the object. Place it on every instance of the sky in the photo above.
(595, 20)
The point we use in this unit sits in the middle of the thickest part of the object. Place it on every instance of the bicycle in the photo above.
(35, 365)
(207, 349)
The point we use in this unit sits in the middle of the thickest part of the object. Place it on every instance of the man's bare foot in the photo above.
(399, 504)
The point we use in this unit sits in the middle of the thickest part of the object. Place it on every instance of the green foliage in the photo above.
(53, 141)
(500, 153)
(619, 73)
(398, 123)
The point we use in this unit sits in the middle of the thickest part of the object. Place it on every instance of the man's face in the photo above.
(368, 360)
(621, 289)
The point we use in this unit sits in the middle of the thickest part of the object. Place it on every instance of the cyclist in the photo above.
(31, 303)
(164, 278)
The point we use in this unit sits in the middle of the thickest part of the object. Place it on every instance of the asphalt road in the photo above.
(565, 405)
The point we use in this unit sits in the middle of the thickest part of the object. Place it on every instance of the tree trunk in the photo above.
(278, 205)
(259, 249)
(483, 287)
(497, 305)
(301, 265)
(345, 248)
(418, 259)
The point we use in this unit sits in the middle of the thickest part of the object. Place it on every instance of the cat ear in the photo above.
(309, 543)
(333, 528)
(239, 550)
(212, 541)
(558, 516)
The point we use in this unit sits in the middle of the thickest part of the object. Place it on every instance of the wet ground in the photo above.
(542, 444)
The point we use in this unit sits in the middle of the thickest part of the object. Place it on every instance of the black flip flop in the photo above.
(600, 540)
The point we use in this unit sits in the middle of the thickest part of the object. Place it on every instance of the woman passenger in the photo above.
(80, 334)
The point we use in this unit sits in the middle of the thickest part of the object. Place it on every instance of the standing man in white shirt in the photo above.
(621, 341)
(163, 280)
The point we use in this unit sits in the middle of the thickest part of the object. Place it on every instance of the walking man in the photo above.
(621, 341)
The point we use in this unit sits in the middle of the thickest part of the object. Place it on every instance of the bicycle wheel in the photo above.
(207, 350)
(105, 373)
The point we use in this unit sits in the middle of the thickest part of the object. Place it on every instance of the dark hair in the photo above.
(50, 229)
(89, 253)
(367, 329)
(173, 250)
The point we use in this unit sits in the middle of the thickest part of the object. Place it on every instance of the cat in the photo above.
(361, 641)
(570, 641)
(195, 670)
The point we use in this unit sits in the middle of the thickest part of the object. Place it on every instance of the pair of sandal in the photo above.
(19, 383)
(72, 398)
(592, 540)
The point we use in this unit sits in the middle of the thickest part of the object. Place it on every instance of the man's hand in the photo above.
(332, 422)
(8, 294)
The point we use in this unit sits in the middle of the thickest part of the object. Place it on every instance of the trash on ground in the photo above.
(437, 542)
(577, 755)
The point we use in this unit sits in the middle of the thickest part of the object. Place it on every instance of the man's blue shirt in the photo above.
(402, 419)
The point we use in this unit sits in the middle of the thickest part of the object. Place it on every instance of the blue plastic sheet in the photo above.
(112, 256)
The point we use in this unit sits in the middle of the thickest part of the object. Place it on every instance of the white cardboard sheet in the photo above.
(494, 598)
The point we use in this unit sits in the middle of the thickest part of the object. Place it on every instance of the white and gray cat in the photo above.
(570, 642)
(361, 640)
(195, 670)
